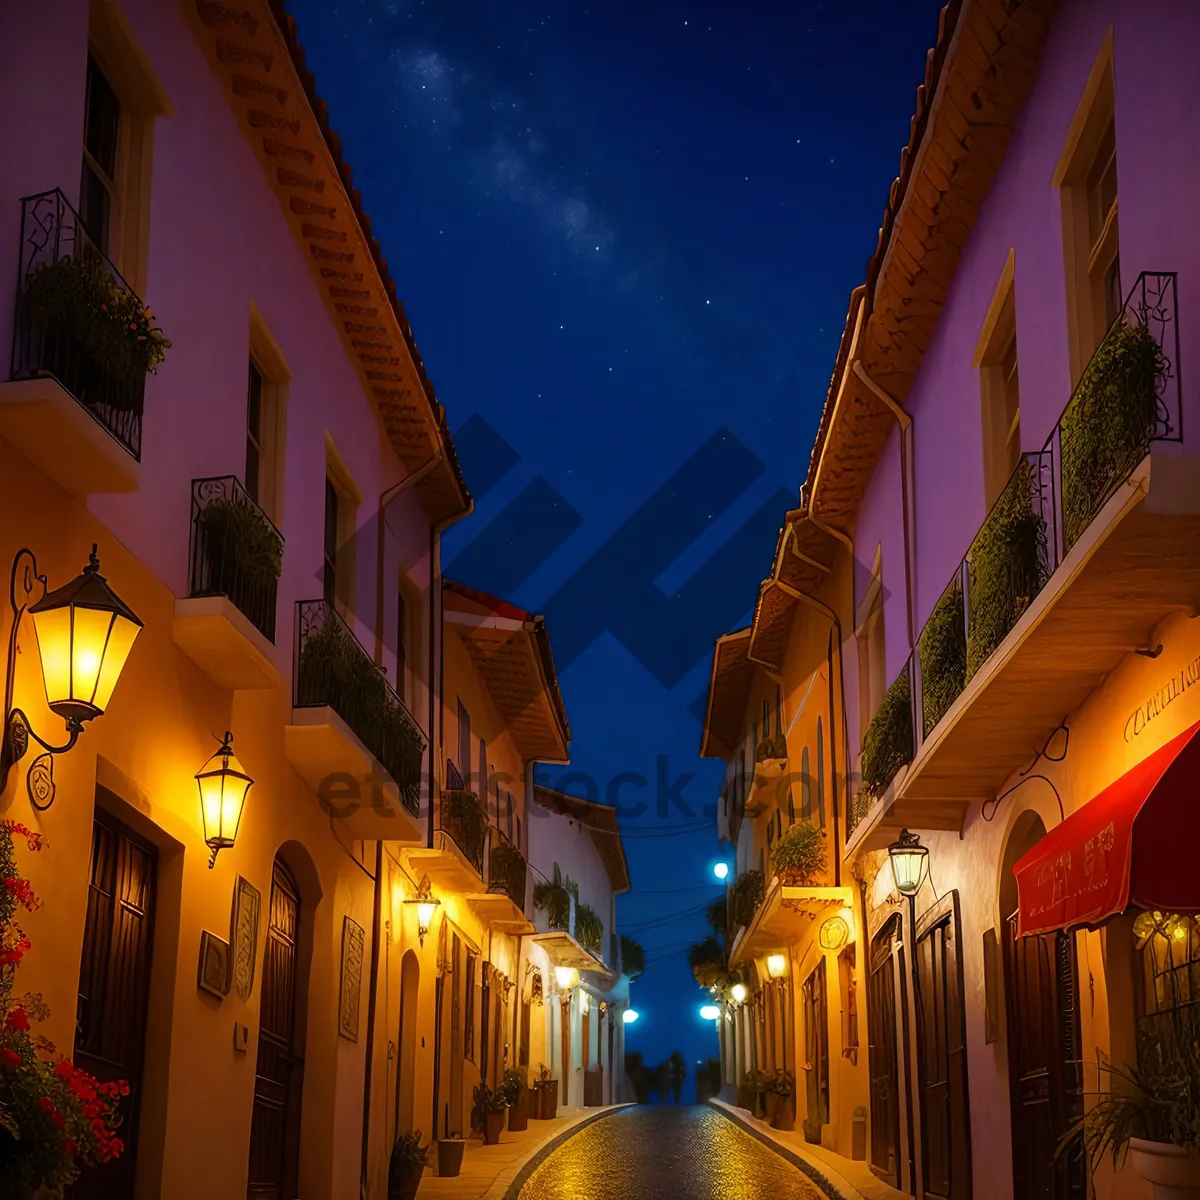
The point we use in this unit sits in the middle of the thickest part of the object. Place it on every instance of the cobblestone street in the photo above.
(670, 1154)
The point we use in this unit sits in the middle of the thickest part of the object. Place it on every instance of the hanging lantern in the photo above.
(85, 632)
(223, 785)
(910, 861)
(427, 904)
(777, 965)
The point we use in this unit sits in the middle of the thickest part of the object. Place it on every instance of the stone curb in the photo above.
(802, 1164)
(513, 1190)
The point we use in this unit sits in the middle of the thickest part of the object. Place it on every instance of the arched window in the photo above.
(820, 774)
(805, 787)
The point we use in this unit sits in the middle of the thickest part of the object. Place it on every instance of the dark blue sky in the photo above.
(626, 234)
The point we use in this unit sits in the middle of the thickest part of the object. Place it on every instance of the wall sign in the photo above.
(243, 935)
(1175, 687)
(213, 975)
(353, 939)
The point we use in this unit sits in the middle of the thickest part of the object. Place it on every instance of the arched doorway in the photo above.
(275, 1126)
(406, 1069)
(1042, 1010)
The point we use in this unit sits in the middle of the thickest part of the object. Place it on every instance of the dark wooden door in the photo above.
(942, 1054)
(816, 1044)
(114, 986)
(1045, 1085)
(883, 1060)
(274, 1143)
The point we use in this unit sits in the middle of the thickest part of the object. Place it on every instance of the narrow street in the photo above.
(669, 1153)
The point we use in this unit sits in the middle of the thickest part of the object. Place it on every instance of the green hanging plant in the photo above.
(942, 648)
(798, 855)
(888, 744)
(589, 929)
(745, 896)
(555, 901)
(241, 542)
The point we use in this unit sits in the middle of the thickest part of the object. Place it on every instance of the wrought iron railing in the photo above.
(61, 330)
(332, 669)
(461, 816)
(1127, 398)
(235, 551)
(507, 869)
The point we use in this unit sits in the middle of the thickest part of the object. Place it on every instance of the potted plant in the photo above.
(798, 855)
(547, 1094)
(406, 1166)
(783, 1086)
(516, 1091)
(748, 1092)
(242, 551)
(487, 1116)
(1152, 1112)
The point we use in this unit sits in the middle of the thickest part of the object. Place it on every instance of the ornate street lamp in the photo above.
(223, 785)
(427, 904)
(85, 632)
(777, 965)
(910, 862)
(566, 978)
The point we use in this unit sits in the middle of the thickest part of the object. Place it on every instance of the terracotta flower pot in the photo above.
(408, 1189)
(548, 1100)
(493, 1126)
(770, 1104)
(785, 1113)
(450, 1156)
(518, 1114)
(1172, 1171)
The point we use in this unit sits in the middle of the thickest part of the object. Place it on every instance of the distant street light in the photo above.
(710, 1012)
(629, 1016)
(721, 870)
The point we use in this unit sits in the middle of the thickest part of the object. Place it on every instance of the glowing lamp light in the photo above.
(427, 904)
(910, 861)
(710, 1012)
(223, 785)
(629, 1016)
(738, 992)
(777, 965)
(566, 977)
(85, 632)
(721, 870)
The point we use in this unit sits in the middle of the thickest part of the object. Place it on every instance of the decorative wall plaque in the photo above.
(243, 935)
(213, 974)
(353, 939)
(535, 995)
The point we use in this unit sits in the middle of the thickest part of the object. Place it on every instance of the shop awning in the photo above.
(1135, 843)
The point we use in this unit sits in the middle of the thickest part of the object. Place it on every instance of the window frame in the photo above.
(997, 340)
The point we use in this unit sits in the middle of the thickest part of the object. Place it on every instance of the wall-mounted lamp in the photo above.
(426, 903)
(910, 862)
(85, 632)
(739, 993)
(777, 965)
(223, 785)
(566, 978)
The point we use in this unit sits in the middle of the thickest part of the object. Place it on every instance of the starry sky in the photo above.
(625, 233)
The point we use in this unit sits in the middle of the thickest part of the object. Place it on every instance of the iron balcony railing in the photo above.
(1127, 398)
(235, 550)
(68, 296)
(462, 819)
(506, 869)
(331, 669)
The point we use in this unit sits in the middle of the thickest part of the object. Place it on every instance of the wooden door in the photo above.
(274, 1128)
(883, 1060)
(942, 1054)
(816, 1044)
(1045, 1084)
(114, 986)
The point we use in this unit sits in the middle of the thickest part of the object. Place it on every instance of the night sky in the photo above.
(626, 234)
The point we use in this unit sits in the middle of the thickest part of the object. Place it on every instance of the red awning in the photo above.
(1135, 843)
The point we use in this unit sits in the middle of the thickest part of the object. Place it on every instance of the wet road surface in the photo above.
(661, 1152)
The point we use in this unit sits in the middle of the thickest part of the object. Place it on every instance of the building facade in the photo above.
(264, 495)
(1005, 482)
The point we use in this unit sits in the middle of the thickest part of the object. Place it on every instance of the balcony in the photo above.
(226, 624)
(502, 904)
(455, 861)
(1089, 546)
(786, 917)
(556, 934)
(351, 738)
(83, 344)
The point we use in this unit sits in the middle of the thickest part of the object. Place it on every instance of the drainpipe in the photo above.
(376, 920)
(906, 485)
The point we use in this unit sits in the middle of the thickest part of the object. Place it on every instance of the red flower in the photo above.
(46, 1104)
(116, 1146)
(35, 839)
(17, 1020)
(64, 1070)
(24, 893)
(9, 1058)
(13, 955)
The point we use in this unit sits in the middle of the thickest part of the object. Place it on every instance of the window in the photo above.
(1087, 181)
(401, 640)
(805, 787)
(872, 657)
(464, 743)
(469, 1007)
(999, 387)
(332, 516)
(846, 964)
(254, 432)
(820, 774)
(101, 124)
(766, 718)
(1169, 957)
(484, 789)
